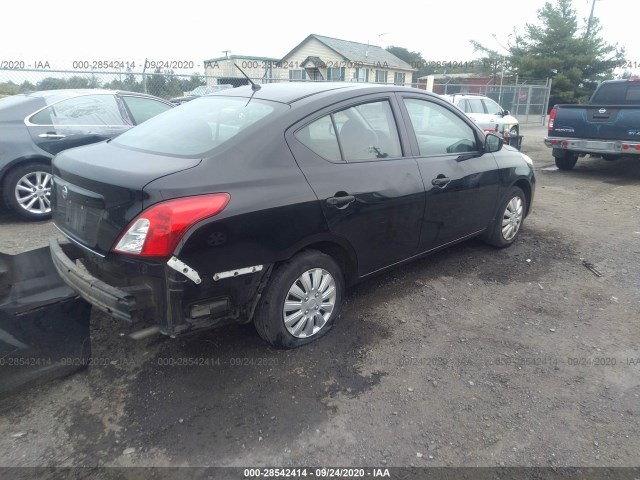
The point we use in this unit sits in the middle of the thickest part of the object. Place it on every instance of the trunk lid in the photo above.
(99, 189)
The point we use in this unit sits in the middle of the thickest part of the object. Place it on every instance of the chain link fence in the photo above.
(525, 101)
(161, 84)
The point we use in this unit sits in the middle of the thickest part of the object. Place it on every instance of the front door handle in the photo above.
(340, 202)
(52, 135)
(440, 181)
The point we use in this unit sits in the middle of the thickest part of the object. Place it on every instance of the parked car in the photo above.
(199, 92)
(608, 126)
(488, 114)
(264, 204)
(36, 126)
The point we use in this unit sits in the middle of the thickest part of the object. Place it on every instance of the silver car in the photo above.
(488, 114)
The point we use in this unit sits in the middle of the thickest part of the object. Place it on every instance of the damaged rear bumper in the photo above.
(122, 303)
(170, 295)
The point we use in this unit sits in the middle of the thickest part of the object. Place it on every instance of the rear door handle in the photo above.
(340, 202)
(51, 135)
(440, 181)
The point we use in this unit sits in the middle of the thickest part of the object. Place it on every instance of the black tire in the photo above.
(270, 314)
(11, 196)
(567, 162)
(496, 236)
(514, 131)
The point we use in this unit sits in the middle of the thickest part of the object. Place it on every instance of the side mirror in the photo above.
(505, 113)
(492, 143)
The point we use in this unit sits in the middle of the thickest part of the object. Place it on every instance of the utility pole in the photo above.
(593, 6)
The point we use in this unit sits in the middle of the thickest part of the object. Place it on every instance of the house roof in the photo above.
(243, 57)
(358, 52)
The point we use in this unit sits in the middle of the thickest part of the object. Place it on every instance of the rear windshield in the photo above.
(619, 93)
(197, 127)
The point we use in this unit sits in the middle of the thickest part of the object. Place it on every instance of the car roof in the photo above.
(291, 92)
(54, 95)
(471, 95)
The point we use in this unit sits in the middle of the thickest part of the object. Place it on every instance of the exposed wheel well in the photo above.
(347, 263)
(526, 188)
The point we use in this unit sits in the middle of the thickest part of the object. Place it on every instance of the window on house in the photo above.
(362, 75)
(398, 78)
(335, 74)
(297, 74)
(381, 76)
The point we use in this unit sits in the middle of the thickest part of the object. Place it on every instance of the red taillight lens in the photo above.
(157, 231)
(552, 117)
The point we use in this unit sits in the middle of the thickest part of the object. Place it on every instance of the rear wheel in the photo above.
(506, 226)
(301, 301)
(567, 162)
(27, 191)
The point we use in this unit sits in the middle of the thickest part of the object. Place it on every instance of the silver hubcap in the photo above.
(309, 303)
(513, 132)
(33, 192)
(512, 218)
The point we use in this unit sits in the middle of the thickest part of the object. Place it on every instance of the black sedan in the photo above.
(36, 126)
(264, 204)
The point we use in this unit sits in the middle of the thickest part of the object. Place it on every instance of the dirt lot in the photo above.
(471, 357)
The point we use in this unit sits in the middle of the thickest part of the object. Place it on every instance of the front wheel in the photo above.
(301, 301)
(506, 226)
(27, 191)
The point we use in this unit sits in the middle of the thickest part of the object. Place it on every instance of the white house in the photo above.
(325, 58)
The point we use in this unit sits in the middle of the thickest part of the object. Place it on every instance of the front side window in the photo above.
(142, 109)
(492, 107)
(87, 110)
(198, 126)
(438, 130)
(364, 132)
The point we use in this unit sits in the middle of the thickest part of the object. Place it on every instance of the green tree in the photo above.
(561, 47)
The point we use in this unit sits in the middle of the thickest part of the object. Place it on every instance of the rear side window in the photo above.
(438, 130)
(364, 132)
(142, 109)
(86, 110)
(475, 106)
(620, 93)
(320, 136)
(198, 126)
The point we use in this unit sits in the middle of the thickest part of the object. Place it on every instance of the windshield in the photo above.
(198, 126)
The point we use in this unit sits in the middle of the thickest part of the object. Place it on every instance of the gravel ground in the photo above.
(471, 357)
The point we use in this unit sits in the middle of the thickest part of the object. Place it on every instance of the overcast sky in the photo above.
(67, 30)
